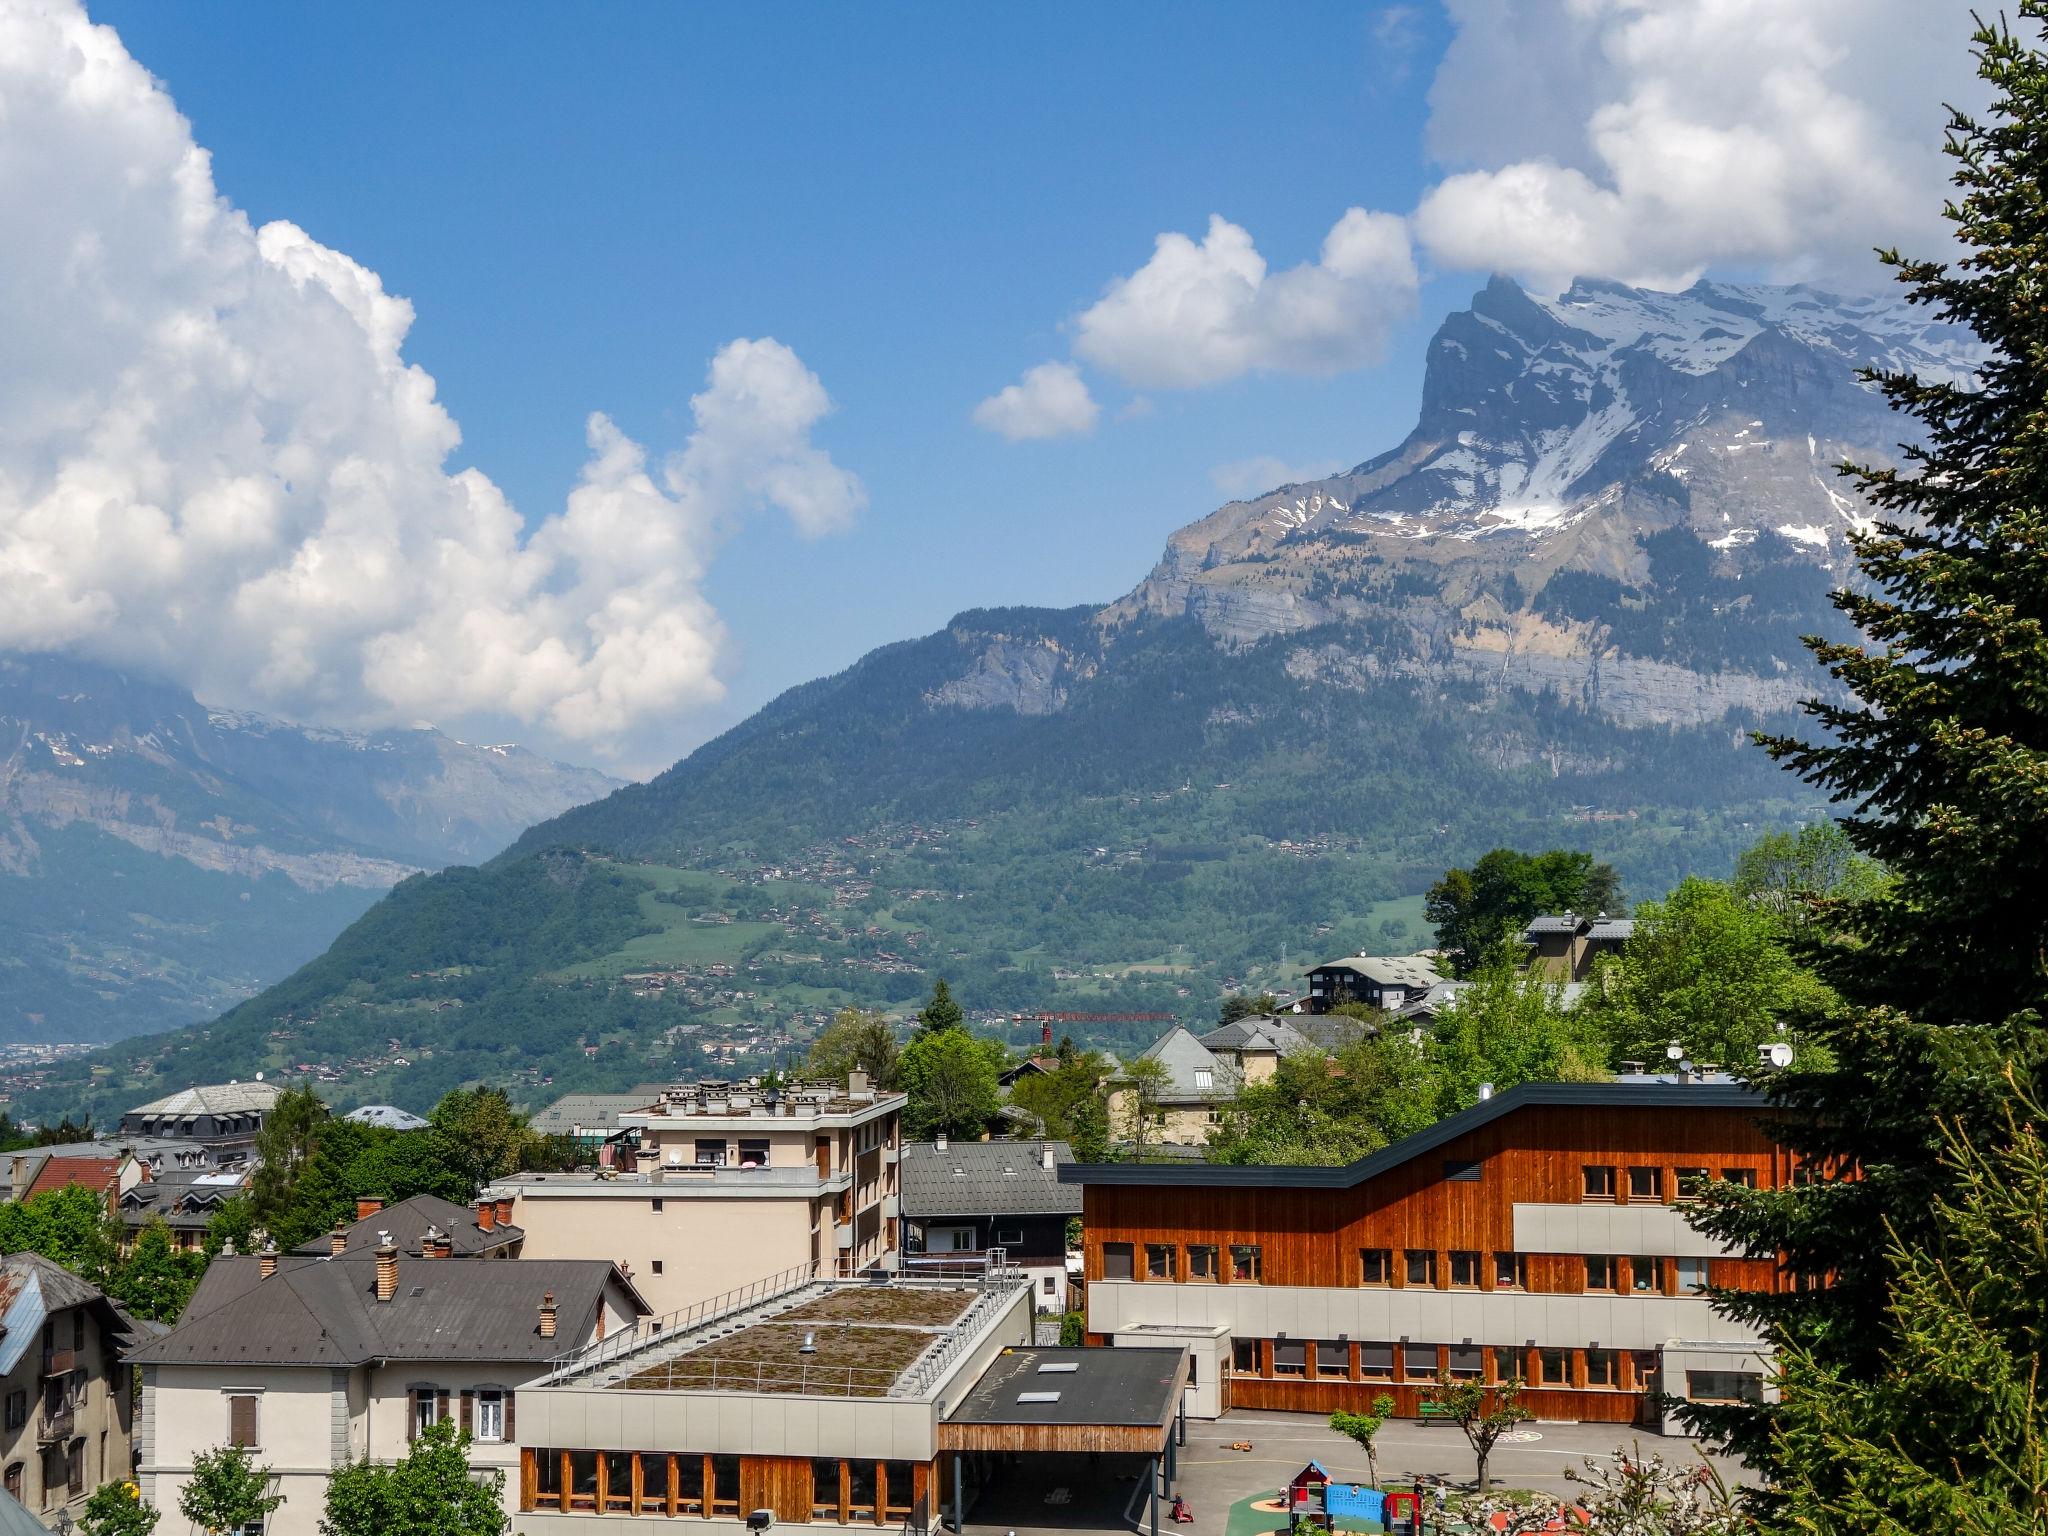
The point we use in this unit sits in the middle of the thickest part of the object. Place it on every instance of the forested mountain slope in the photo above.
(1551, 615)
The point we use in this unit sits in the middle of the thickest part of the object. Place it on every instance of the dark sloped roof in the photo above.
(407, 1222)
(318, 1312)
(1628, 1092)
(1258, 1031)
(995, 1178)
(1076, 1386)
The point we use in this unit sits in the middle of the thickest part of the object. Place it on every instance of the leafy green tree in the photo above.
(234, 1222)
(1245, 1005)
(118, 1509)
(1064, 1098)
(857, 1040)
(227, 1491)
(940, 1011)
(1510, 1027)
(1364, 1429)
(1705, 968)
(951, 1080)
(68, 1226)
(1474, 909)
(1328, 1109)
(1939, 744)
(1798, 876)
(156, 1280)
(1483, 1413)
(430, 1491)
(481, 1134)
(1134, 1095)
(1073, 1330)
(1088, 1130)
(283, 1148)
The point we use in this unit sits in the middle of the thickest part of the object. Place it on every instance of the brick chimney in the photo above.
(266, 1261)
(1045, 1038)
(487, 1214)
(504, 1210)
(387, 1267)
(547, 1315)
(337, 1240)
(430, 1245)
(368, 1206)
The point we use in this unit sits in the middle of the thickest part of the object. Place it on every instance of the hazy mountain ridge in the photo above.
(111, 783)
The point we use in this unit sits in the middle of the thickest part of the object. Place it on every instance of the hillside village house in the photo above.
(314, 1361)
(1377, 981)
(221, 1119)
(966, 1200)
(66, 1413)
(1189, 1098)
(1564, 946)
(1541, 1234)
(184, 1199)
(729, 1181)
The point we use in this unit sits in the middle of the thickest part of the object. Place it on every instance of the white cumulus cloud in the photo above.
(1051, 400)
(1202, 313)
(1651, 140)
(215, 460)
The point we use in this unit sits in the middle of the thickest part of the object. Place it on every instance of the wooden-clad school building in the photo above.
(1540, 1235)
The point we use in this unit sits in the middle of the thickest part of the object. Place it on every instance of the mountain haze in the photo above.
(159, 860)
(1552, 614)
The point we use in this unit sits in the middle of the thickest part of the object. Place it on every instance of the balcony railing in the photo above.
(57, 1423)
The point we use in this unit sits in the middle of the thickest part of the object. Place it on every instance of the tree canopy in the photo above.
(1474, 909)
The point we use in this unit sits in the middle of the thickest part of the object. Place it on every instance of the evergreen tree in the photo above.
(940, 1011)
(1942, 755)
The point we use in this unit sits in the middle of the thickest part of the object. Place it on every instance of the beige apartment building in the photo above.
(729, 1184)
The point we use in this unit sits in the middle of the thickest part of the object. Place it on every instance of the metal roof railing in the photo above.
(649, 1331)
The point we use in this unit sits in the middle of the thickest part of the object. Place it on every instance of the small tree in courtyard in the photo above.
(1364, 1428)
(1484, 1413)
(117, 1509)
(227, 1491)
(430, 1491)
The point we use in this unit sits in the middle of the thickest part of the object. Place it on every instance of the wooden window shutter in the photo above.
(440, 1406)
(412, 1417)
(511, 1430)
(468, 1411)
(242, 1420)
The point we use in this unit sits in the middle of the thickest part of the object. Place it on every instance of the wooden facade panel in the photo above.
(780, 1483)
(1146, 1439)
(1538, 1154)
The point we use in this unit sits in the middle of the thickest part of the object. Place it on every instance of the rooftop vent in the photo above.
(1038, 1397)
(1058, 1367)
(809, 1345)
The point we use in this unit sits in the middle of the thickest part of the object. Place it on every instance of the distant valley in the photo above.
(1551, 615)
(160, 861)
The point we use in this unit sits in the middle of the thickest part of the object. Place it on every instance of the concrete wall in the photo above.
(1496, 1317)
(1640, 1227)
(1678, 1360)
(705, 1247)
(735, 1423)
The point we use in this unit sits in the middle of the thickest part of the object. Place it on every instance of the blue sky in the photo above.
(581, 214)
(1056, 267)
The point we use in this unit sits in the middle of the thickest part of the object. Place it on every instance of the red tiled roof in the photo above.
(95, 1173)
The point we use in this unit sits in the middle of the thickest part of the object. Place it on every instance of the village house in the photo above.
(1386, 982)
(315, 1361)
(966, 1200)
(1540, 1235)
(184, 1199)
(1192, 1088)
(728, 1178)
(1565, 946)
(65, 1409)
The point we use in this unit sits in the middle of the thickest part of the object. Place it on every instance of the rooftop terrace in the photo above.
(749, 1101)
(877, 1337)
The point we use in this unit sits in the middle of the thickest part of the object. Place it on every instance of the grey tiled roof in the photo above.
(214, 1099)
(315, 1312)
(1183, 1056)
(386, 1117)
(1258, 1032)
(1553, 922)
(1389, 970)
(1615, 929)
(993, 1178)
(407, 1222)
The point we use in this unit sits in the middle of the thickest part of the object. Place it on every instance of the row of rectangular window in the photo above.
(1422, 1364)
(485, 1413)
(1602, 1181)
(1204, 1264)
(707, 1487)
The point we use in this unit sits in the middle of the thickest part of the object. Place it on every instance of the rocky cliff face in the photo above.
(1514, 537)
(138, 828)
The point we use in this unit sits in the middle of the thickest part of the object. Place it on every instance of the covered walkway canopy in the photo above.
(1123, 1402)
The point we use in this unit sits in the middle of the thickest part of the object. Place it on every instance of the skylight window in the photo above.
(1058, 1367)
(1038, 1397)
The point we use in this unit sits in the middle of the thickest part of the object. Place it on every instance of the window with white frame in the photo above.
(490, 1414)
